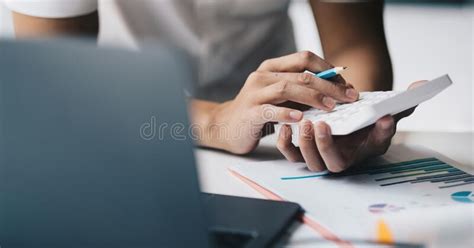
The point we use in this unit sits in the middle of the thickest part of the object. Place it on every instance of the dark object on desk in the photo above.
(429, 2)
(246, 222)
(84, 163)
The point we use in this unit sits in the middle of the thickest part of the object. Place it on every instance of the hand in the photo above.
(322, 151)
(237, 125)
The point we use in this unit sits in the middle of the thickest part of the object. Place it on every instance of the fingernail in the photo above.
(321, 131)
(296, 115)
(352, 93)
(329, 102)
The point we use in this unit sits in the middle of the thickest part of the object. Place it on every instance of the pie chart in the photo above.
(463, 196)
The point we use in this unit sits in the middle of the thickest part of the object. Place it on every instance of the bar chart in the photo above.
(425, 170)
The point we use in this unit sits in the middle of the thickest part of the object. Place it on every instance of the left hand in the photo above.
(322, 151)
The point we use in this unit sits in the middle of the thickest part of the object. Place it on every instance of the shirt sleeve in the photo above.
(52, 8)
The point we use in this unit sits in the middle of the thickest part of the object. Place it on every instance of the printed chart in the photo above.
(351, 203)
(426, 170)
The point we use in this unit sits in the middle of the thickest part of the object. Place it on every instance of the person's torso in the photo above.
(228, 38)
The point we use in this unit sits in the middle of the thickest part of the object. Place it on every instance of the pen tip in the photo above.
(345, 67)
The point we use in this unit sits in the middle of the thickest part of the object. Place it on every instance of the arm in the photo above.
(352, 34)
(36, 27)
(202, 115)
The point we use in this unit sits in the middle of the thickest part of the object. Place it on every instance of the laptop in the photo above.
(89, 156)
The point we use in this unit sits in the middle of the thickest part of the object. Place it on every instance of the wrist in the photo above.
(204, 119)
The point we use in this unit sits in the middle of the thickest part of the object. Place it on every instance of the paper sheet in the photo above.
(350, 206)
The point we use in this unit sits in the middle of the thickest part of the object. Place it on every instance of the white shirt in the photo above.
(228, 38)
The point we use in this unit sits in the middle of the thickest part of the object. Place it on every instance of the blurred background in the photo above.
(425, 40)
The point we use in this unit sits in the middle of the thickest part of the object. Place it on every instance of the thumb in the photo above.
(410, 111)
(417, 84)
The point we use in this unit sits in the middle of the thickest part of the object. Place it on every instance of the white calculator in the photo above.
(371, 106)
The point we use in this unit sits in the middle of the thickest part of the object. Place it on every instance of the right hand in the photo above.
(264, 97)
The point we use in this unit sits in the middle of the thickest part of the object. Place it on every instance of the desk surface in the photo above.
(215, 178)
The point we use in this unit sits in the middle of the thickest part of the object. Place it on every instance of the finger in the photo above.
(308, 147)
(285, 146)
(404, 114)
(270, 113)
(340, 92)
(284, 91)
(417, 84)
(327, 148)
(410, 111)
(298, 62)
(381, 135)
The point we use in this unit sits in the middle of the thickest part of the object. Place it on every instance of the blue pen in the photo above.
(328, 73)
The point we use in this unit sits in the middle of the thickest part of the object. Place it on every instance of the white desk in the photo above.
(215, 178)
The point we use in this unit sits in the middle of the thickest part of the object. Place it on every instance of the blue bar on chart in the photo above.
(425, 170)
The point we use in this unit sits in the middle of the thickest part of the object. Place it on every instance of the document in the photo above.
(399, 189)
